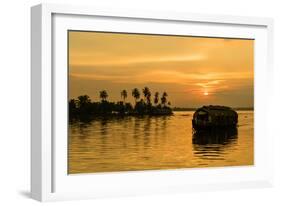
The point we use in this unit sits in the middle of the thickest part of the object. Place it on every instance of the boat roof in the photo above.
(217, 110)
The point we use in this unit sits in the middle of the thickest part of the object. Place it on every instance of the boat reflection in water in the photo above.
(136, 143)
(214, 144)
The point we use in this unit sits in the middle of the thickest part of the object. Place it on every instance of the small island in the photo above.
(84, 108)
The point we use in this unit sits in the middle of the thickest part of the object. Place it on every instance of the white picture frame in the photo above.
(49, 179)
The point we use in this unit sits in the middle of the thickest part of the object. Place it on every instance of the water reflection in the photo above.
(212, 144)
(216, 136)
(165, 142)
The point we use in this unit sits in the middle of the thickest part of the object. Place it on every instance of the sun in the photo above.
(206, 93)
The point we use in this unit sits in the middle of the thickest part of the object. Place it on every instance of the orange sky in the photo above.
(194, 71)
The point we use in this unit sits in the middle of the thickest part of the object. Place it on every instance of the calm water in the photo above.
(145, 143)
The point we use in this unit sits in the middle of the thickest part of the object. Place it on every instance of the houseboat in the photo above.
(214, 116)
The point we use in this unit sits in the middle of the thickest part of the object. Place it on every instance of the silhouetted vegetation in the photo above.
(84, 108)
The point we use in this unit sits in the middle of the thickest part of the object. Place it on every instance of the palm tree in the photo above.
(83, 100)
(103, 95)
(124, 94)
(147, 94)
(156, 98)
(136, 94)
(164, 98)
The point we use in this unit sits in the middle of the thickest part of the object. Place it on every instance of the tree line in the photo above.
(84, 107)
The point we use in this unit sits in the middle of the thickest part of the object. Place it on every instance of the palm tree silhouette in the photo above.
(103, 95)
(83, 100)
(164, 98)
(147, 94)
(156, 98)
(124, 94)
(136, 94)
(83, 108)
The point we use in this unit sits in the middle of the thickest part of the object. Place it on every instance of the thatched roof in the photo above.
(215, 110)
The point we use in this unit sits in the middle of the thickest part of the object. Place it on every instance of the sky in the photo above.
(194, 71)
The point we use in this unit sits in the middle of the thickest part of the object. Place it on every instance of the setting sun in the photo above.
(197, 66)
(136, 97)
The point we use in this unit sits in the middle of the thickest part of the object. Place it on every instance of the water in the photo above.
(147, 143)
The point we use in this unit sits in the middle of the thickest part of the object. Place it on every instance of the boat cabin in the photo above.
(214, 116)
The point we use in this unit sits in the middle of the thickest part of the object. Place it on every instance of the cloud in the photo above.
(86, 60)
(184, 66)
